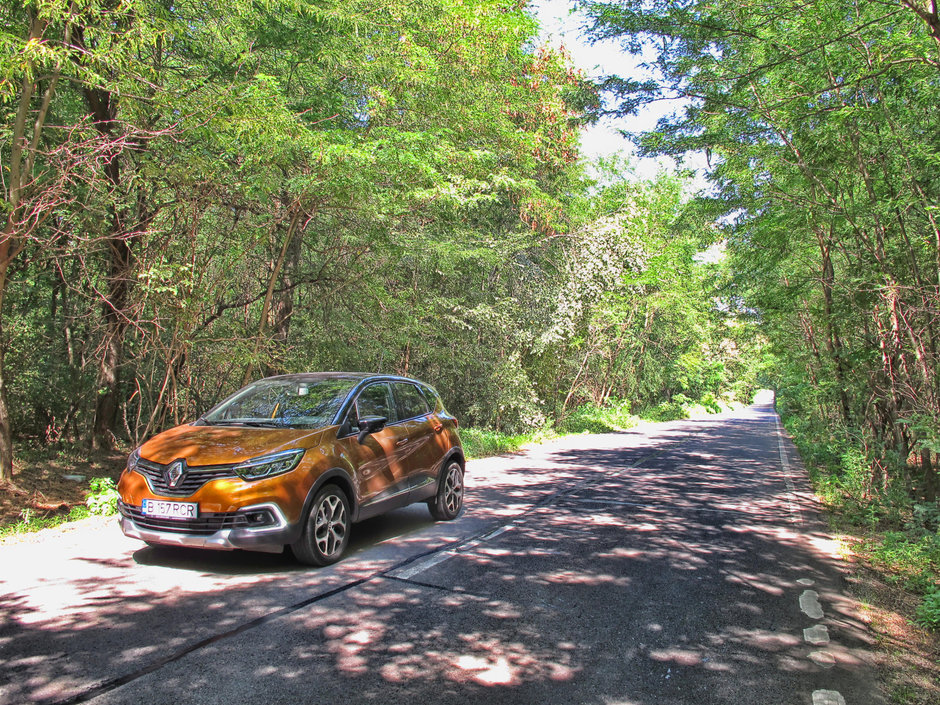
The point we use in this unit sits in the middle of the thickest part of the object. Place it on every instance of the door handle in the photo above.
(402, 442)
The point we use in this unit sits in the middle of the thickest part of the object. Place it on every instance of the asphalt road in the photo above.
(677, 563)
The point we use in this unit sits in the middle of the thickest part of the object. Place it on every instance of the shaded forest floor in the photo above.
(908, 656)
(47, 487)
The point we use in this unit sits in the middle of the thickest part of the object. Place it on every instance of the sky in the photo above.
(561, 27)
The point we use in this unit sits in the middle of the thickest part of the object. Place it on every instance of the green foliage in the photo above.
(614, 415)
(928, 612)
(671, 410)
(317, 187)
(481, 443)
(902, 536)
(364, 185)
(102, 497)
(912, 561)
(924, 517)
(31, 521)
(825, 188)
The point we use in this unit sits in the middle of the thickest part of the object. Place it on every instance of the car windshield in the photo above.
(282, 403)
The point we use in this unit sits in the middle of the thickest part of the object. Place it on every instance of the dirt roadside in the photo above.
(908, 657)
(47, 485)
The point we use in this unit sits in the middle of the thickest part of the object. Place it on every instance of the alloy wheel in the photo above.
(331, 525)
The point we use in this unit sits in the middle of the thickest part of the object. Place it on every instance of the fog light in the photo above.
(260, 517)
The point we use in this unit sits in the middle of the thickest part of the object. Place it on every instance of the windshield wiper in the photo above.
(254, 424)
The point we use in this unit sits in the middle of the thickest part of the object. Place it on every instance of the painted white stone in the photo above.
(809, 603)
(806, 582)
(816, 635)
(823, 658)
(828, 697)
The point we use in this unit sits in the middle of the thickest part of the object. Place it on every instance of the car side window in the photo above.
(431, 397)
(375, 400)
(410, 402)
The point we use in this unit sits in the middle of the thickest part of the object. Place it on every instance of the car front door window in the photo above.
(375, 400)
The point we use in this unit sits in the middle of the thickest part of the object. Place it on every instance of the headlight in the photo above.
(133, 459)
(268, 465)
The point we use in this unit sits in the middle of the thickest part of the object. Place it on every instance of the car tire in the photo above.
(448, 501)
(326, 530)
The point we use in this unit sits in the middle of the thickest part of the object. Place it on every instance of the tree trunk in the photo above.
(108, 380)
(931, 479)
(272, 283)
(6, 432)
(833, 339)
(101, 105)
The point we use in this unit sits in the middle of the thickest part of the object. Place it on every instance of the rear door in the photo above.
(419, 428)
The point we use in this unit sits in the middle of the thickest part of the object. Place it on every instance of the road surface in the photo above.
(676, 563)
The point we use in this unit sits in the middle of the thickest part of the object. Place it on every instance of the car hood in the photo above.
(224, 445)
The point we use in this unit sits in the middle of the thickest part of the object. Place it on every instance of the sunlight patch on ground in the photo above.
(486, 673)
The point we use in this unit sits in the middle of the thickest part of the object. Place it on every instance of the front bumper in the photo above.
(223, 532)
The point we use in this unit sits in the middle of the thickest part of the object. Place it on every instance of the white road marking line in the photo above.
(795, 512)
(431, 561)
(816, 635)
(828, 697)
(809, 603)
(422, 566)
(646, 505)
(494, 534)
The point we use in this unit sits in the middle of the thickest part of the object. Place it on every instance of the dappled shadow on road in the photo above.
(674, 580)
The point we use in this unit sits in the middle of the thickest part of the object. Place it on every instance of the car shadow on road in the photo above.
(364, 535)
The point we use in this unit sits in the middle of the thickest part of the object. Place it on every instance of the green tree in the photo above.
(820, 125)
(242, 189)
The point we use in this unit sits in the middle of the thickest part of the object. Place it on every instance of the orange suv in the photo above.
(295, 460)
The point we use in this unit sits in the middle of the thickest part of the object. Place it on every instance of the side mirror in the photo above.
(369, 425)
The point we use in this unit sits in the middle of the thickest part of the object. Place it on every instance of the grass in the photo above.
(612, 417)
(31, 521)
(481, 443)
(908, 560)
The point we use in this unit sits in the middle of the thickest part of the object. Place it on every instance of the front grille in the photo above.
(203, 525)
(192, 480)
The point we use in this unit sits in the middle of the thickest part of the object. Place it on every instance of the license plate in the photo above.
(170, 510)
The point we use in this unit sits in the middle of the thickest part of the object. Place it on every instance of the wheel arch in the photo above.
(340, 478)
(453, 454)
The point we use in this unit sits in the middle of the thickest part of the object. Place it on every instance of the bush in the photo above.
(928, 613)
(103, 497)
(672, 410)
(912, 561)
(591, 418)
(482, 443)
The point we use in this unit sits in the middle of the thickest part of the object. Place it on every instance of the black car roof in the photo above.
(352, 376)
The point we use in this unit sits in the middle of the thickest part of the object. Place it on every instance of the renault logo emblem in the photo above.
(174, 473)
